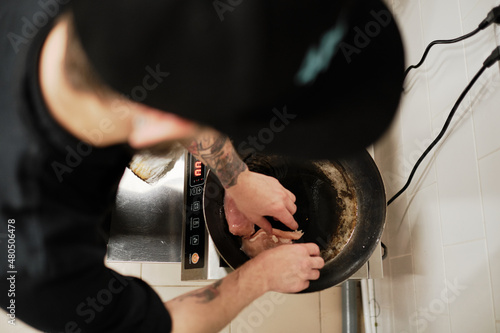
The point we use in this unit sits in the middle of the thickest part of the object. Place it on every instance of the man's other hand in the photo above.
(289, 268)
(256, 195)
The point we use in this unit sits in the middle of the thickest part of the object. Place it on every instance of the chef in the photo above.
(84, 84)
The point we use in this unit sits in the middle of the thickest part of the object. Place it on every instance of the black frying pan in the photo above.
(318, 211)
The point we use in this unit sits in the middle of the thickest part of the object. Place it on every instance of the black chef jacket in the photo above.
(55, 191)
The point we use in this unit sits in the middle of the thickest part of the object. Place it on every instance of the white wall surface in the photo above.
(443, 234)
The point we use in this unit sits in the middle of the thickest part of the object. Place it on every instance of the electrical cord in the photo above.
(445, 41)
(493, 58)
(493, 16)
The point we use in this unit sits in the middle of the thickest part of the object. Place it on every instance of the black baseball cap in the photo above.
(308, 78)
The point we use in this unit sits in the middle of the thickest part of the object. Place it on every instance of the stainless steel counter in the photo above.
(146, 224)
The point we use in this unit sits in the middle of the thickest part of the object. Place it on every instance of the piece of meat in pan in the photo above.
(253, 242)
(262, 241)
(238, 224)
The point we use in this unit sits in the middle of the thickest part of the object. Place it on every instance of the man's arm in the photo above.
(287, 268)
(216, 151)
(255, 195)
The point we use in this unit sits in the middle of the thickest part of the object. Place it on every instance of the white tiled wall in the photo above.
(443, 235)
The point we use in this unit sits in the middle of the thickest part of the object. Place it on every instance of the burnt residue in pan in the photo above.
(346, 206)
(326, 201)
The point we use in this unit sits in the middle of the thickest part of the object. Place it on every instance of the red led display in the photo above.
(197, 169)
(197, 172)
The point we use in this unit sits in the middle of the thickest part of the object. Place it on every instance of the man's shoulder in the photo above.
(21, 21)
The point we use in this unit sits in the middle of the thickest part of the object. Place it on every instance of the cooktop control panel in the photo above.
(195, 233)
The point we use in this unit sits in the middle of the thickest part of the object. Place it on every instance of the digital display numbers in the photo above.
(197, 169)
(197, 175)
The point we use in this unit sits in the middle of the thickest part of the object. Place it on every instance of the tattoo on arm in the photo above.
(205, 295)
(217, 152)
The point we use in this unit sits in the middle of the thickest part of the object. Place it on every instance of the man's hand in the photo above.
(256, 195)
(288, 268)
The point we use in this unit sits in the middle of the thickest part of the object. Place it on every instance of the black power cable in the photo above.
(444, 41)
(493, 16)
(493, 58)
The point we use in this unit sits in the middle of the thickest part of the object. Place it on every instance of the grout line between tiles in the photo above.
(489, 154)
(400, 256)
(412, 223)
(320, 314)
(413, 281)
(485, 228)
(478, 175)
(465, 242)
(177, 285)
(488, 267)
(392, 293)
(413, 189)
(442, 246)
(413, 194)
(425, 64)
(416, 186)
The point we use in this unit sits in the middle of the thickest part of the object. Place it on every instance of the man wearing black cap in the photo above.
(267, 76)
(68, 145)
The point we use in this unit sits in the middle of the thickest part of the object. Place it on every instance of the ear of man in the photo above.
(149, 126)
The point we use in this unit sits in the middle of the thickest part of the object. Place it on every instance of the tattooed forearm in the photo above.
(216, 151)
(205, 295)
(230, 169)
(207, 142)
